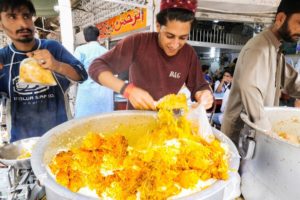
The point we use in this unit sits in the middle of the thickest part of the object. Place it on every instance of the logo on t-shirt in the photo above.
(25, 89)
(174, 75)
(30, 94)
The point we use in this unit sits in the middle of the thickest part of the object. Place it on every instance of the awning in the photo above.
(239, 7)
(45, 8)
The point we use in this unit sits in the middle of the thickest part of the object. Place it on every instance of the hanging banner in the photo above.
(128, 21)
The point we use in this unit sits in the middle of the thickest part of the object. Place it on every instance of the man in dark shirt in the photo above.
(159, 63)
(33, 109)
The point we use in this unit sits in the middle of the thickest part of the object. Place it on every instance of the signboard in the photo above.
(128, 21)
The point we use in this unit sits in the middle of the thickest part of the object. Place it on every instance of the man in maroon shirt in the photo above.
(159, 63)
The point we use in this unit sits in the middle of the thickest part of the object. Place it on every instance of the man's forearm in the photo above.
(68, 71)
(220, 86)
(107, 79)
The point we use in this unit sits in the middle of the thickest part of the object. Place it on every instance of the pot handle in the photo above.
(247, 143)
(247, 138)
(246, 119)
(3, 165)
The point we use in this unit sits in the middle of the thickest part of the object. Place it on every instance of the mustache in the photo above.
(297, 35)
(24, 30)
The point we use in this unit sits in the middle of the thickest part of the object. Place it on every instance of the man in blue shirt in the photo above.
(33, 109)
(91, 97)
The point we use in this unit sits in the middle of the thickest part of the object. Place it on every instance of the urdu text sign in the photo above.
(126, 22)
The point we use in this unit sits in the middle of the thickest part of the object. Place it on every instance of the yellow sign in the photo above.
(128, 21)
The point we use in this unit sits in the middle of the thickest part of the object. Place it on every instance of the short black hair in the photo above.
(289, 7)
(235, 60)
(229, 69)
(179, 14)
(205, 67)
(91, 33)
(6, 5)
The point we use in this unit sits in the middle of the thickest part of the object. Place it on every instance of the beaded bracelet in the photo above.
(123, 88)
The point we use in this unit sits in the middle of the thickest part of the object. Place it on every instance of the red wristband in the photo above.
(128, 90)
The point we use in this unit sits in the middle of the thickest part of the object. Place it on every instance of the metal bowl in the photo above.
(10, 152)
(131, 123)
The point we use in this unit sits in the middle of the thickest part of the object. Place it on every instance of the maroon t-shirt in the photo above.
(150, 68)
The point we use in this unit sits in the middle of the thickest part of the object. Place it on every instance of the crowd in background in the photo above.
(220, 82)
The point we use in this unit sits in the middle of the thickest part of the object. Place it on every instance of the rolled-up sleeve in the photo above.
(117, 60)
(196, 81)
(66, 57)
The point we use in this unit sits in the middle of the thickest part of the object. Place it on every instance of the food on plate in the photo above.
(32, 73)
(176, 159)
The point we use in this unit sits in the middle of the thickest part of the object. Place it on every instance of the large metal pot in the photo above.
(271, 166)
(134, 123)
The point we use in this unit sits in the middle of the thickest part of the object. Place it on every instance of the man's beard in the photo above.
(27, 39)
(285, 32)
